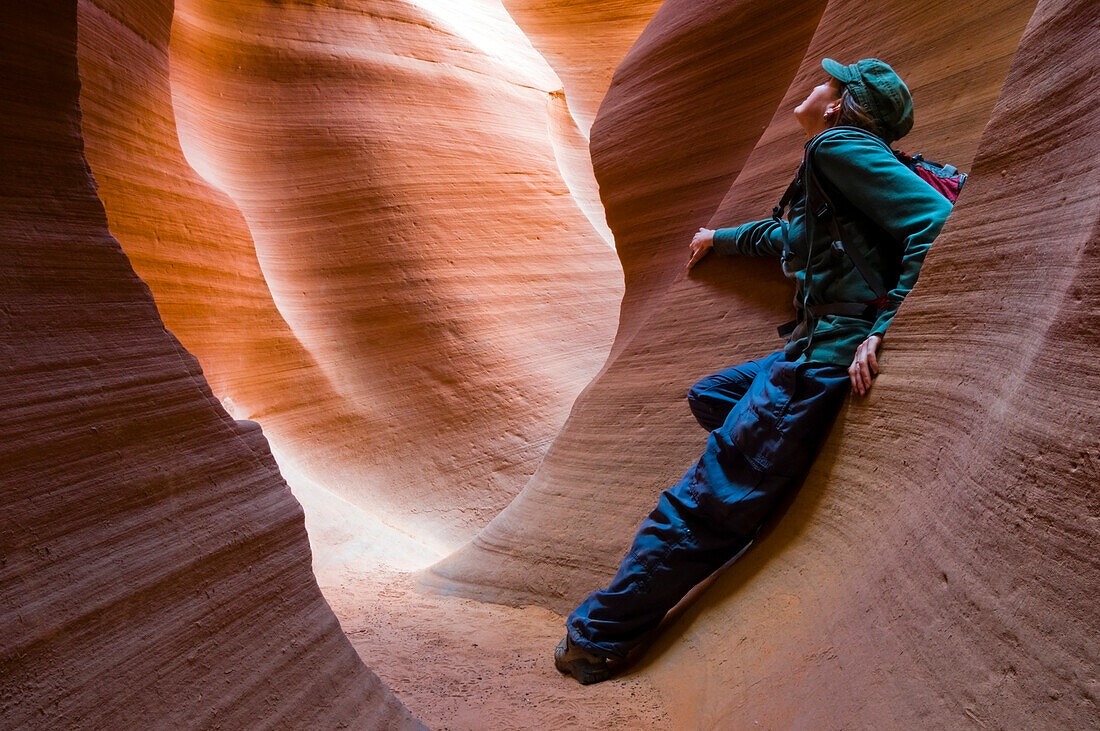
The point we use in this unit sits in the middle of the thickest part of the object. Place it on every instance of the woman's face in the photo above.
(811, 113)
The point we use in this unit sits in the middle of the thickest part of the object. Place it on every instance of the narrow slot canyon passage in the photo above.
(346, 343)
(408, 322)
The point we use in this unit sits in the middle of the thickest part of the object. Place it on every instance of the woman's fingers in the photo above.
(696, 254)
(864, 373)
(864, 365)
(699, 249)
(855, 374)
(872, 360)
(701, 244)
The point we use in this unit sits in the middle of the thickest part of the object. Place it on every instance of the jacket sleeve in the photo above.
(891, 195)
(758, 238)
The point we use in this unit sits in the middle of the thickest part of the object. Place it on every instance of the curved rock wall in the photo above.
(934, 569)
(375, 224)
(191, 245)
(154, 568)
(412, 246)
(663, 170)
(412, 220)
(584, 41)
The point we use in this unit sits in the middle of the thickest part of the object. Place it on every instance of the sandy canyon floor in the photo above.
(463, 664)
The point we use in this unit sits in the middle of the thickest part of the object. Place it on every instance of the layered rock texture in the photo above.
(154, 567)
(936, 567)
(375, 224)
(395, 234)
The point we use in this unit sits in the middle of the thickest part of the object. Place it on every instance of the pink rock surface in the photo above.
(154, 568)
(935, 569)
(376, 226)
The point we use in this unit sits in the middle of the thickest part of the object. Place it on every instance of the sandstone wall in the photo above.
(394, 164)
(376, 226)
(409, 199)
(584, 41)
(154, 568)
(935, 568)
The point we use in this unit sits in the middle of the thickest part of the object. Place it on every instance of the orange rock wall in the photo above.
(191, 245)
(376, 226)
(418, 281)
(584, 41)
(154, 568)
(935, 568)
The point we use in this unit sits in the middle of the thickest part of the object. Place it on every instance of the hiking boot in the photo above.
(585, 667)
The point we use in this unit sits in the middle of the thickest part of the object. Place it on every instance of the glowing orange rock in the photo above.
(421, 280)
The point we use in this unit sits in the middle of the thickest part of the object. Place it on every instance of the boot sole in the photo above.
(584, 675)
(582, 672)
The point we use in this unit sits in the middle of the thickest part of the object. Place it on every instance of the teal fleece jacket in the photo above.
(893, 207)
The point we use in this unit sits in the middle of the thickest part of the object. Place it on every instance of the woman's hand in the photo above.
(700, 245)
(865, 365)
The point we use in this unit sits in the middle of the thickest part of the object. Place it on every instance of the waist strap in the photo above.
(863, 310)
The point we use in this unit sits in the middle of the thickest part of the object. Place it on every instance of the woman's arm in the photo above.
(758, 238)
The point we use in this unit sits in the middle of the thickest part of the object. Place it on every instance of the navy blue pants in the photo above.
(767, 419)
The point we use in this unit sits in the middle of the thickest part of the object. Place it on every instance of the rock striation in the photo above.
(935, 568)
(415, 230)
(584, 41)
(389, 196)
(382, 227)
(154, 568)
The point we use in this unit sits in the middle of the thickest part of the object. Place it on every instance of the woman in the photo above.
(768, 417)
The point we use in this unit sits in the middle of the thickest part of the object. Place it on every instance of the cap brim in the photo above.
(838, 71)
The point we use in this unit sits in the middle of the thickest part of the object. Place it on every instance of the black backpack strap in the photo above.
(787, 328)
(789, 195)
(863, 310)
(793, 191)
(821, 207)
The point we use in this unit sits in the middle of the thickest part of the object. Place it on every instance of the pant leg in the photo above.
(676, 547)
(717, 507)
(712, 398)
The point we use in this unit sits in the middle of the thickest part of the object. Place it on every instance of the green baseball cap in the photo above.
(879, 90)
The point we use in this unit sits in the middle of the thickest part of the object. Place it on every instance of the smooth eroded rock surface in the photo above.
(384, 227)
(395, 167)
(584, 41)
(154, 568)
(936, 567)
